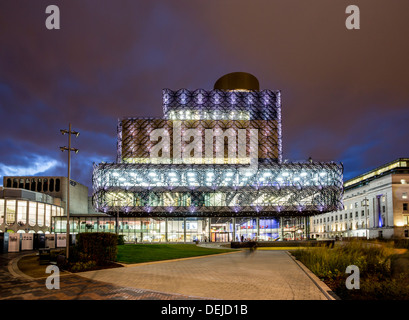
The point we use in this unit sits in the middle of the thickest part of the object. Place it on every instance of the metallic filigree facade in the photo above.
(198, 162)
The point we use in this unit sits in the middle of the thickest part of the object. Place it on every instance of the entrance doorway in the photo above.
(220, 236)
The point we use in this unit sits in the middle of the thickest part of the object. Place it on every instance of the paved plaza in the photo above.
(262, 275)
(16, 286)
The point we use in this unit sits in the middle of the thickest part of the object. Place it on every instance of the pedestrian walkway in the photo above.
(261, 275)
(14, 286)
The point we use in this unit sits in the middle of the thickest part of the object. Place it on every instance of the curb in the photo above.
(16, 272)
(328, 293)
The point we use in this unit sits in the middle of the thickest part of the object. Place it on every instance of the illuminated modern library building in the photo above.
(212, 170)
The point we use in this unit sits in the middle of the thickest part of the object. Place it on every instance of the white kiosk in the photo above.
(14, 242)
(61, 240)
(27, 241)
(50, 241)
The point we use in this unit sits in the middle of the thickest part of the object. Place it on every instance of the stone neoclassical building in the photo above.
(375, 206)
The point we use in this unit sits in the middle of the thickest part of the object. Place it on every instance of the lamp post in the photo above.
(69, 149)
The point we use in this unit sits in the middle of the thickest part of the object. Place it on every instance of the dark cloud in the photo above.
(345, 93)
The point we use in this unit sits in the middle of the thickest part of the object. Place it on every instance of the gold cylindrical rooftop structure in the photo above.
(237, 81)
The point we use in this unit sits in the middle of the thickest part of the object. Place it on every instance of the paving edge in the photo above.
(16, 272)
(328, 293)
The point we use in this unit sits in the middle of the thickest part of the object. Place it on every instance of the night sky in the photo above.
(345, 93)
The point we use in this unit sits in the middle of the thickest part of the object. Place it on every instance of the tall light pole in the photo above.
(69, 149)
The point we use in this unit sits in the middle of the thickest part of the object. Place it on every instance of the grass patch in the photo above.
(137, 253)
(382, 276)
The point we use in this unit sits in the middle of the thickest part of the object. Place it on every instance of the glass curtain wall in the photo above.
(178, 229)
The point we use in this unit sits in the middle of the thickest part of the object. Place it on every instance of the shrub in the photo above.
(99, 247)
(401, 243)
(83, 266)
(121, 239)
(374, 262)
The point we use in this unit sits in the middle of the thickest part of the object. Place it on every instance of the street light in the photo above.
(69, 149)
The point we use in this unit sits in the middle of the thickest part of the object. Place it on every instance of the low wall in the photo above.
(295, 243)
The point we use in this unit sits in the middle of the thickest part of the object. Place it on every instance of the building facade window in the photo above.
(33, 184)
(10, 212)
(32, 213)
(40, 214)
(21, 212)
(47, 215)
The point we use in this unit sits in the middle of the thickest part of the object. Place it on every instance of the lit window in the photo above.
(404, 195)
(10, 212)
(21, 212)
(403, 181)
